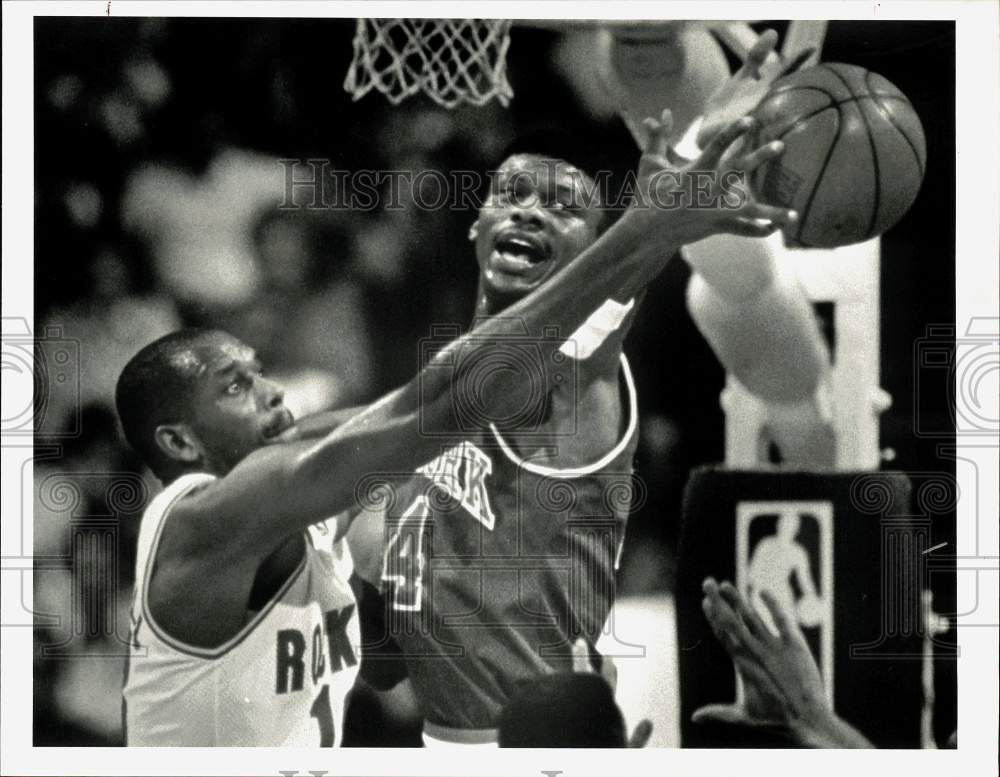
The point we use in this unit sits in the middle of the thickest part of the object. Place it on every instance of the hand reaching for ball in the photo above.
(744, 90)
(688, 201)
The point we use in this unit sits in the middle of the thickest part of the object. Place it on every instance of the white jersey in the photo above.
(281, 681)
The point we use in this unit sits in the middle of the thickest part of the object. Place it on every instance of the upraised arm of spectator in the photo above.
(783, 689)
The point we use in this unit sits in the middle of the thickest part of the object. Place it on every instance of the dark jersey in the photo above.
(494, 566)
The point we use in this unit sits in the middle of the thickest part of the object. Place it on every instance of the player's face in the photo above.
(236, 409)
(540, 214)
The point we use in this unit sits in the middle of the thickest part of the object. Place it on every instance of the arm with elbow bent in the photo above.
(751, 309)
(760, 325)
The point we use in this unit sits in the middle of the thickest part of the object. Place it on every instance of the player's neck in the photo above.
(489, 305)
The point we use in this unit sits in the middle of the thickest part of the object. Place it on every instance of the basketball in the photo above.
(854, 155)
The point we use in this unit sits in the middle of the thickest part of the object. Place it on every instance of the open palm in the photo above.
(744, 90)
(782, 687)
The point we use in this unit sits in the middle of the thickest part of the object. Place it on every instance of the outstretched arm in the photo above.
(317, 425)
(280, 489)
(215, 538)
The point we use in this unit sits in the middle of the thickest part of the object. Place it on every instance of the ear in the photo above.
(178, 442)
(474, 231)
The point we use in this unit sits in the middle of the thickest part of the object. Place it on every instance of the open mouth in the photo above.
(519, 252)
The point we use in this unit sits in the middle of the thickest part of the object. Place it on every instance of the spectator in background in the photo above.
(306, 293)
(199, 227)
(405, 255)
(110, 321)
(85, 526)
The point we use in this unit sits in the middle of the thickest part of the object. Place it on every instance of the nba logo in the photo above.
(786, 548)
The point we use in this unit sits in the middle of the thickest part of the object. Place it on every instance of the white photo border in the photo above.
(978, 203)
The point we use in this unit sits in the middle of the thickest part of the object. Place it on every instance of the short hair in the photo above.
(578, 148)
(155, 388)
(562, 710)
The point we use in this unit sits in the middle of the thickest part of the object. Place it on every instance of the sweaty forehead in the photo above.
(210, 354)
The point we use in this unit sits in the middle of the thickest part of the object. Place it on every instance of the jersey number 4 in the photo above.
(403, 567)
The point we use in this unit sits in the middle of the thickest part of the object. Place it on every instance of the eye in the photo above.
(506, 194)
(234, 388)
(516, 189)
(568, 207)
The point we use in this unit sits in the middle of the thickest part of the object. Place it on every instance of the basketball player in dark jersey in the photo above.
(500, 552)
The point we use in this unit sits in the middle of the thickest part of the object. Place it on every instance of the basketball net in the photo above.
(450, 60)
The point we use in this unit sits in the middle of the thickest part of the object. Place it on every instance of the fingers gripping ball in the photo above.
(854, 154)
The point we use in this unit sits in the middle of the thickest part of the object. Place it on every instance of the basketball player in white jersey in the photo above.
(244, 629)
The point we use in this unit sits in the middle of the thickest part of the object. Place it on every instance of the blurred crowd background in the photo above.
(157, 186)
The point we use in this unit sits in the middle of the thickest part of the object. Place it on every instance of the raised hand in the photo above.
(783, 690)
(688, 201)
(742, 92)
